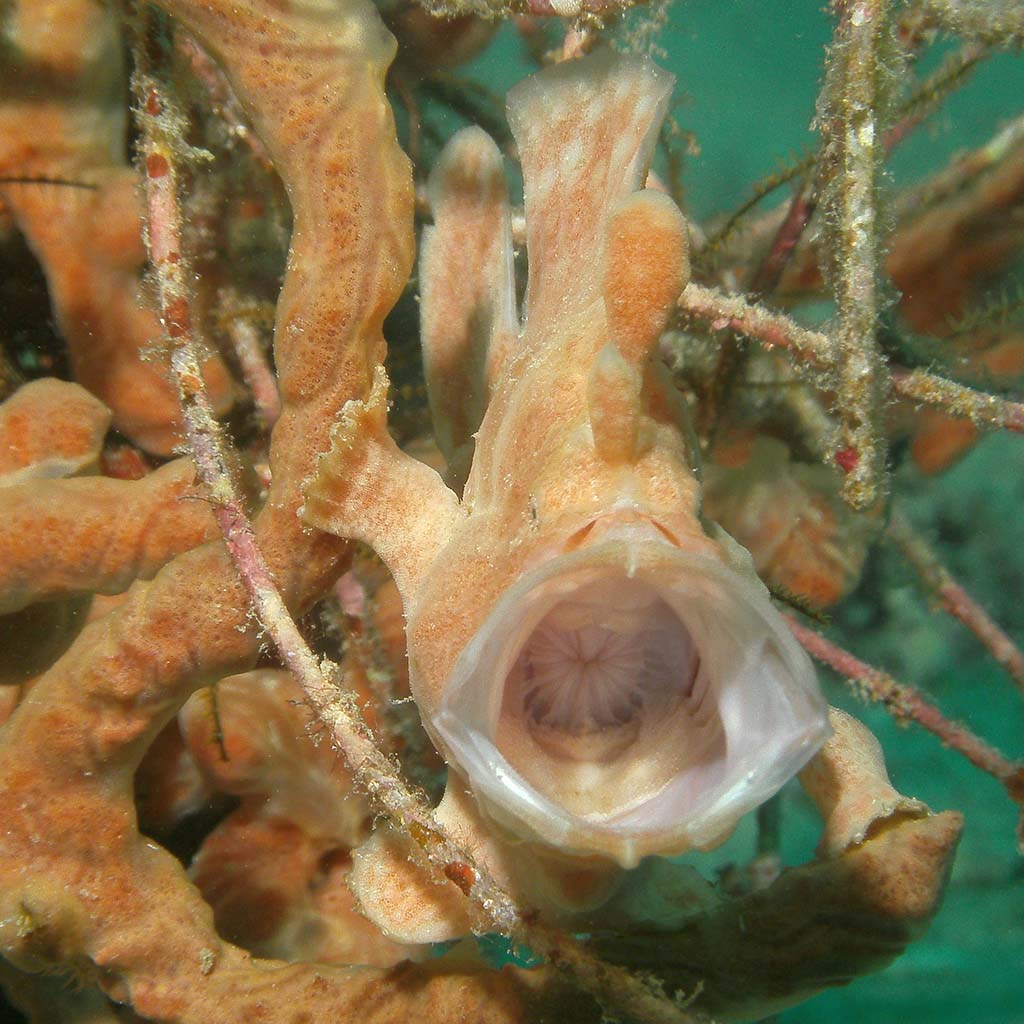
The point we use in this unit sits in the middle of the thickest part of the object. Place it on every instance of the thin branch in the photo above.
(955, 71)
(928, 96)
(995, 22)
(906, 704)
(816, 351)
(41, 180)
(761, 190)
(852, 150)
(961, 172)
(798, 215)
(982, 409)
(955, 599)
(256, 371)
(776, 330)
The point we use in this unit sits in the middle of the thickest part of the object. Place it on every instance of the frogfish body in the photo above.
(600, 665)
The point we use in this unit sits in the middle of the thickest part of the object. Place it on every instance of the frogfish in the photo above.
(597, 662)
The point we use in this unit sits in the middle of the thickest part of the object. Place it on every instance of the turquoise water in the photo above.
(967, 968)
(749, 112)
(752, 70)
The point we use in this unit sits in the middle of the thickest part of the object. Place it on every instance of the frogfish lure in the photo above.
(599, 664)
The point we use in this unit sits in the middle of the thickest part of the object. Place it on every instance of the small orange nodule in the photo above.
(177, 318)
(157, 165)
(461, 874)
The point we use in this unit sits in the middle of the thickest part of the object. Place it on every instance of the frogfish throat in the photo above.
(603, 661)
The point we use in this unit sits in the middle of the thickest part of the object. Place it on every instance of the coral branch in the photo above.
(65, 537)
(776, 330)
(50, 428)
(955, 599)
(64, 117)
(256, 371)
(312, 84)
(817, 351)
(542, 8)
(322, 681)
(999, 22)
(953, 73)
(981, 408)
(963, 186)
(798, 216)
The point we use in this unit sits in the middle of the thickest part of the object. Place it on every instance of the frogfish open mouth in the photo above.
(630, 697)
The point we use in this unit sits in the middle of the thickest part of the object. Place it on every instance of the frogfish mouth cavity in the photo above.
(599, 661)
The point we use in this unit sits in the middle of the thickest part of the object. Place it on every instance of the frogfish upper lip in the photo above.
(630, 697)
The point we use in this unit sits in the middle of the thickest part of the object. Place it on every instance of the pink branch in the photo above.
(817, 351)
(256, 371)
(906, 704)
(955, 599)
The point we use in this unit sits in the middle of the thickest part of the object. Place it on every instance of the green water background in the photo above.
(747, 77)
